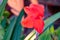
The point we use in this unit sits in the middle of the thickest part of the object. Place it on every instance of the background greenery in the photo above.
(11, 29)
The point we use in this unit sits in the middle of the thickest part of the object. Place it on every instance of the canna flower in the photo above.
(35, 10)
(34, 19)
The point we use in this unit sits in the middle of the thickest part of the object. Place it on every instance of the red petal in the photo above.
(31, 12)
(39, 25)
(35, 10)
(39, 8)
(27, 10)
(27, 22)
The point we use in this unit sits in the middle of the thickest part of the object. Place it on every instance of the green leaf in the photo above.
(1, 32)
(18, 27)
(9, 31)
(14, 30)
(45, 36)
(5, 19)
(6, 14)
(2, 8)
(51, 20)
(51, 29)
(57, 32)
(3, 23)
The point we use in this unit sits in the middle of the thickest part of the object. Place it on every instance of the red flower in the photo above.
(34, 10)
(34, 19)
(39, 25)
(27, 22)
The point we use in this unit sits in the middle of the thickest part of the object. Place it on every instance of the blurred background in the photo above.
(11, 13)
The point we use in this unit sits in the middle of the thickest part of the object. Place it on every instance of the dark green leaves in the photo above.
(1, 32)
(2, 8)
(18, 28)
(9, 31)
(14, 29)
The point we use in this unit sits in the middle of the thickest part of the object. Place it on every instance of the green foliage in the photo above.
(2, 8)
(48, 23)
(11, 29)
(14, 29)
(1, 32)
(57, 32)
(18, 27)
(52, 29)
(45, 36)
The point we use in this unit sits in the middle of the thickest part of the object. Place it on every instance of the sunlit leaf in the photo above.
(45, 36)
